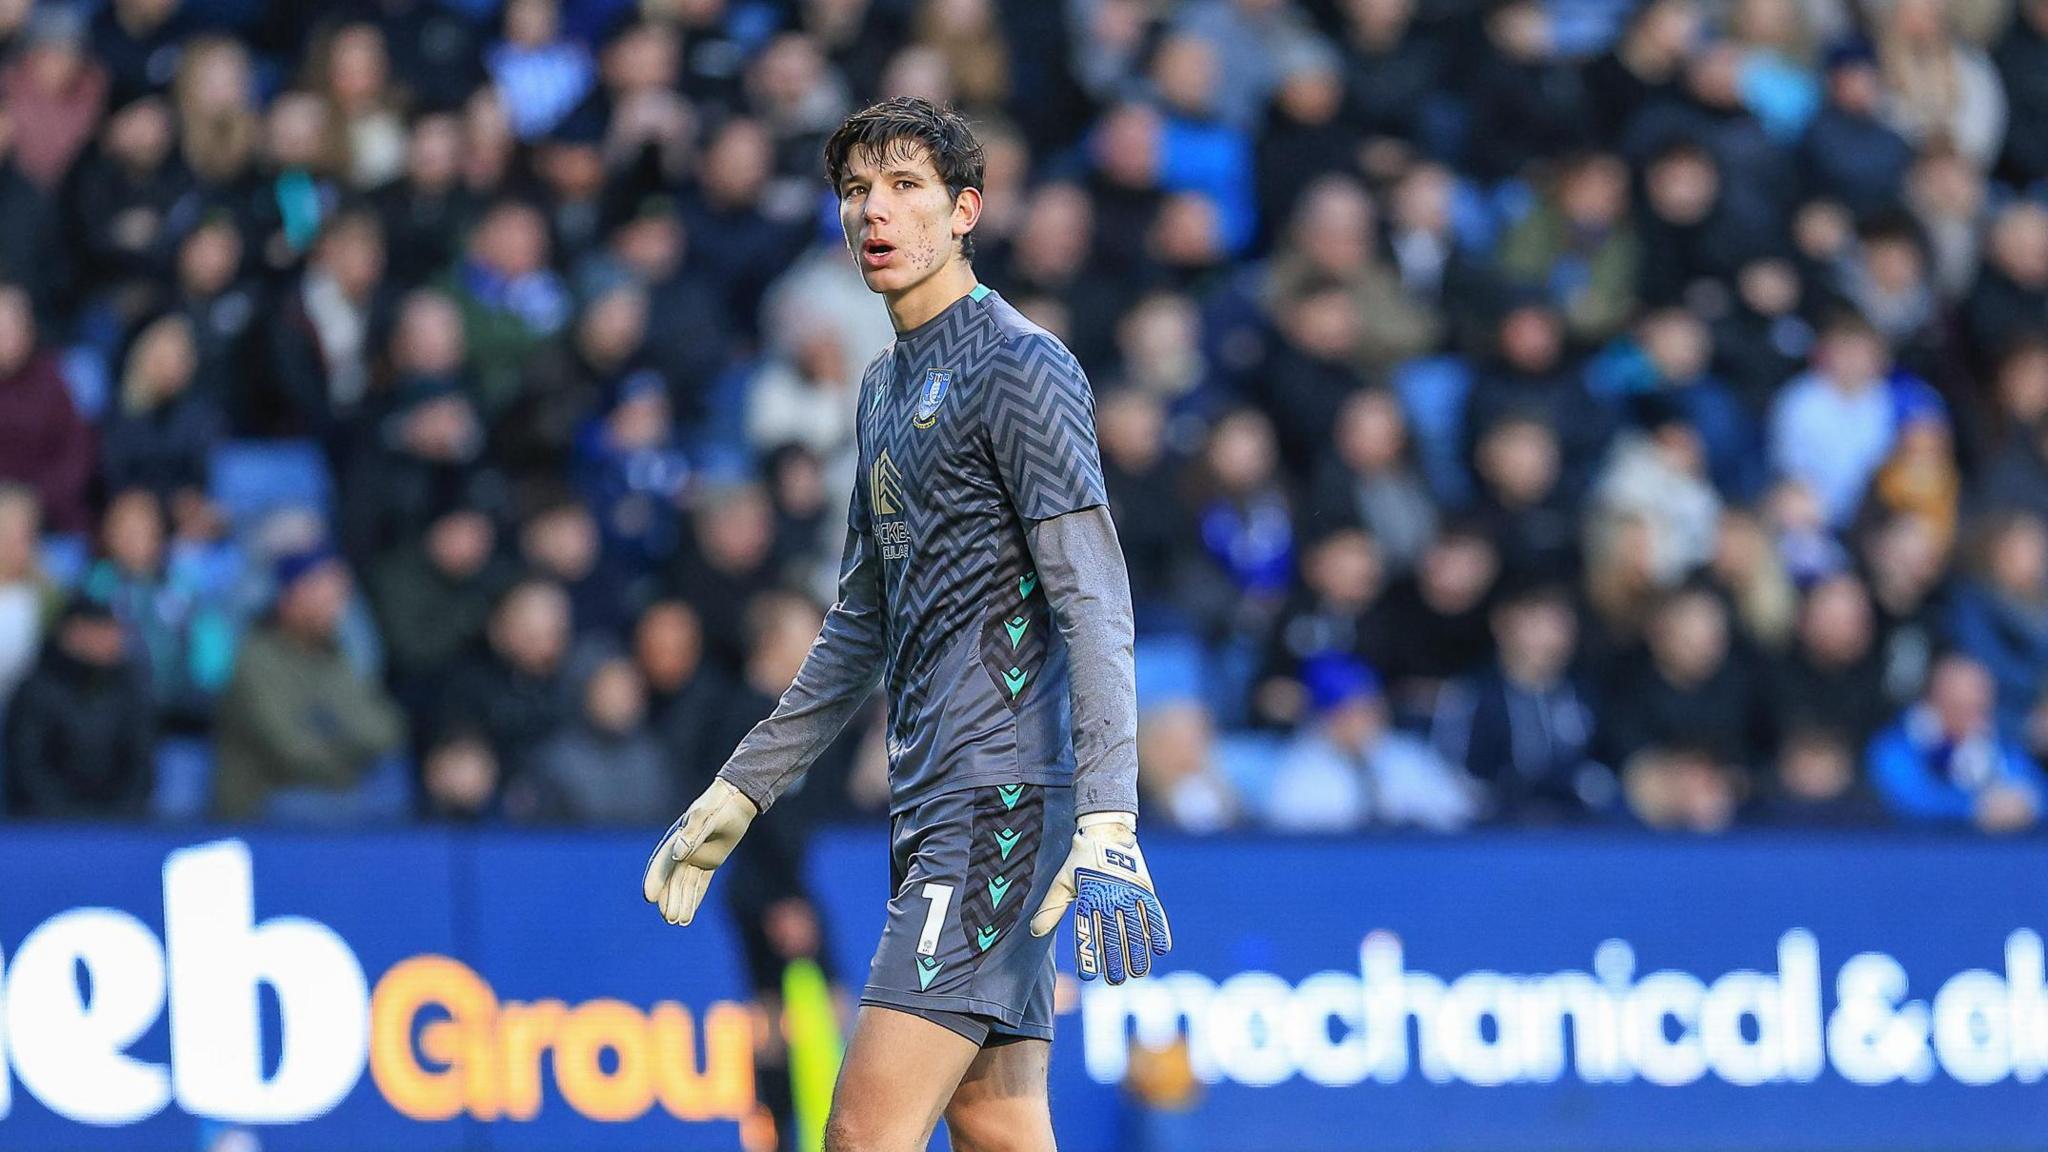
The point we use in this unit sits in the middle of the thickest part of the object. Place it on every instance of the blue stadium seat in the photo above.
(1248, 761)
(184, 779)
(65, 557)
(1432, 392)
(253, 478)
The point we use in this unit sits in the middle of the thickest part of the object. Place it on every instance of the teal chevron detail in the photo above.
(1026, 583)
(998, 887)
(1010, 793)
(927, 970)
(1006, 839)
(1016, 626)
(986, 935)
(1014, 680)
(979, 293)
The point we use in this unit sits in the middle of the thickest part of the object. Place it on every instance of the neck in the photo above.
(930, 296)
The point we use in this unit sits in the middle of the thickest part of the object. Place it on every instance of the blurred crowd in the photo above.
(1531, 412)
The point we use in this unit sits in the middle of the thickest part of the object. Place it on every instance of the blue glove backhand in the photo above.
(1119, 920)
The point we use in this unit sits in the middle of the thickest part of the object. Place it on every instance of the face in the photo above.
(616, 699)
(1519, 461)
(1346, 568)
(358, 65)
(134, 531)
(1836, 626)
(532, 629)
(901, 222)
(317, 600)
(209, 258)
(430, 340)
(668, 643)
(1538, 634)
(20, 524)
(1962, 693)
(563, 542)
(1371, 434)
(460, 543)
(17, 331)
(1691, 636)
(1457, 571)
(2019, 559)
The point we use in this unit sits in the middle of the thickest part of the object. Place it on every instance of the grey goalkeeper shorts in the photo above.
(968, 868)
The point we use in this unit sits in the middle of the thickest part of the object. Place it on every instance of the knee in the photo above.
(849, 1129)
(1002, 1124)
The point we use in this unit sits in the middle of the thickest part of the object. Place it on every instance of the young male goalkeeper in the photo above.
(983, 586)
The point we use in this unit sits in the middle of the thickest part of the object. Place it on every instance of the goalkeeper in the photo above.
(983, 586)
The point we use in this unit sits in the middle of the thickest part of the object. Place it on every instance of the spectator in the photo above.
(327, 328)
(55, 92)
(1850, 155)
(1944, 761)
(1658, 476)
(428, 209)
(460, 779)
(1370, 479)
(1394, 75)
(633, 473)
(1832, 680)
(685, 695)
(1249, 37)
(220, 126)
(412, 462)
(1141, 480)
(606, 767)
(1832, 428)
(116, 201)
(433, 596)
(1431, 626)
(538, 74)
(2000, 617)
(1305, 135)
(27, 596)
(1340, 579)
(559, 540)
(1886, 279)
(1948, 200)
(80, 730)
(301, 734)
(1750, 574)
(1681, 789)
(1685, 691)
(1346, 770)
(352, 71)
(225, 314)
(160, 437)
(31, 251)
(1578, 248)
(1529, 377)
(1763, 340)
(1816, 785)
(138, 41)
(1520, 500)
(1938, 85)
(1522, 727)
(726, 560)
(2011, 296)
(1245, 525)
(514, 687)
(512, 302)
(736, 240)
(180, 620)
(1331, 242)
(2022, 61)
(1920, 476)
(44, 442)
(1176, 775)
(1527, 102)
(536, 438)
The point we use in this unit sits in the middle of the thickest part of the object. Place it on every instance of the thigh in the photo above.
(1001, 1104)
(898, 1074)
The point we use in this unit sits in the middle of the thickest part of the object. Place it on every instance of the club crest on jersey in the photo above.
(937, 382)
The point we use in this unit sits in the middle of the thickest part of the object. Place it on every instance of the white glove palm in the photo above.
(1118, 922)
(694, 846)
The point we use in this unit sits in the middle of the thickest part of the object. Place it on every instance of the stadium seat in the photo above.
(1432, 392)
(1248, 760)
(184, 780)
(252, 478)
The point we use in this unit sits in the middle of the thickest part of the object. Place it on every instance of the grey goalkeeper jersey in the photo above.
(982, 585)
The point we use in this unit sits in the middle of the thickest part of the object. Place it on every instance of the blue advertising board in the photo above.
(433, 990)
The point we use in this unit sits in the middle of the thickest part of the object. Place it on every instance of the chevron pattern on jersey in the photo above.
(951, 494)
(1002, 858)
(1040, 417)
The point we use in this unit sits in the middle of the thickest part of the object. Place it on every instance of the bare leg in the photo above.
(1001, 1104)
(899, 1072)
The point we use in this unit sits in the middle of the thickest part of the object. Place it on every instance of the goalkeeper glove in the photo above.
(1118, 923)
(696, 844)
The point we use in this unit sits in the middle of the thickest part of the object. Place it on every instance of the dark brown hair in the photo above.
(903, 126)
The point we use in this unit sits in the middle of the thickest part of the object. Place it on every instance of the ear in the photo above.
(966, 211)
